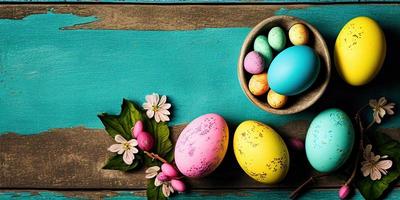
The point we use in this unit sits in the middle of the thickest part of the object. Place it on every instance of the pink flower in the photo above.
(372, 165)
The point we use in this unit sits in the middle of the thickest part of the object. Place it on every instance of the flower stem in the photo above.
(298, 189)
(155, 156)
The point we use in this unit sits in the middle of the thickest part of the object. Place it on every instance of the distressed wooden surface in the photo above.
(189, 1)
(197, 194)
(66, 158)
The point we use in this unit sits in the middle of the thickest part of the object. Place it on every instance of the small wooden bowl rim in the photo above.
(324, 56)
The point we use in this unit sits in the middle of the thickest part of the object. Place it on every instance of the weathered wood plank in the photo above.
(73, 158)
(196, 194)
(188, 1)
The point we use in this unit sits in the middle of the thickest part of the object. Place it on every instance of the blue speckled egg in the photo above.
(329, 140)
(293, 70)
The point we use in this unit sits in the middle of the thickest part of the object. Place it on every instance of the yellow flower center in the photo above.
(126, 146)
(155, 108)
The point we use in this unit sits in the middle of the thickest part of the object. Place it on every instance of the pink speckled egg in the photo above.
(254, 63)
(202, 145)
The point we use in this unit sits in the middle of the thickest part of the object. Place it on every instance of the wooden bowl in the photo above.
(303, 100)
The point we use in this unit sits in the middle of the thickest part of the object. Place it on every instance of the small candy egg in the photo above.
(178, 185)
(277, 38)
(298, 34)
(276, 100)
(254, 62)
(137, 128)
(169, 170)
(162, 177)
(258, 84)
(261, 46)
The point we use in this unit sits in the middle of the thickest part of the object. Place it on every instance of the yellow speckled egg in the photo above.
(276, 100)
(360, 51)
(298, 34)
(261, 152)
(258, 84)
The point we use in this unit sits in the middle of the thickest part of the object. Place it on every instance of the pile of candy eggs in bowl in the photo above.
(284, 65)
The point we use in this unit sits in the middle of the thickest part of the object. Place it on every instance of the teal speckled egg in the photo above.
(277, 38)
(329, 140)
(261, 46)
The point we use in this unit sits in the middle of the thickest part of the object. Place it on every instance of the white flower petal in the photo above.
(147, 106)
(134, 150)
(156, 99)
(165, 190)
(128, 157)
(121, 151)
(151, 175)
(115, 148)
(164, 118)
(150, 99)
(171, 188)
(118, 138)
(163, 100)
(150, 113)
(166, 106)
(153, 169)
(157, 117)
(384, 164)
(375, 174)
(157, 182)
(164, 111)
(133, 142)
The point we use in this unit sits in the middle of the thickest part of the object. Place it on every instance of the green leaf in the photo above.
(117, 163)
(382, 145)
(122, 123)
(153, 192)
(162, 142)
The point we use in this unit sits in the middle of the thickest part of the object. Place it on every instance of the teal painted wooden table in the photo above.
(62, 64)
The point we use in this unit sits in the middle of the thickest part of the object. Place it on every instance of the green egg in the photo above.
(261, 46)
(277, 38)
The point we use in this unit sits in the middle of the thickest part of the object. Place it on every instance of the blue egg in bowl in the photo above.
(293, 70)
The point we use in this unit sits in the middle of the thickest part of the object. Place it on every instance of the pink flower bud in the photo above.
(162, 177)
(178, 185)
(169, 170)
(137, 129)
(344, 192)
(296, 144)
(145, 141)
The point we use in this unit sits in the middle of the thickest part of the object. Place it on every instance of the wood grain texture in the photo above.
(154, 17)
(187, 1)
(72, 159)
(240, 194)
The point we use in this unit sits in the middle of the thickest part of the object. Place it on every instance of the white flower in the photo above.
(373, 166)
(152, 172)
(167, 189)
(125, 147)
(381, 107)
(157, 108)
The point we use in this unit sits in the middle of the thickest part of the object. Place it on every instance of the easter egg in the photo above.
(258, 84)
(329, 140)
(277, 38)
(201, 146)
(276, 100)
(298, 34)
(360, 51)
(261, 46)
(293, 70)
(261, 152)
(254, 63)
